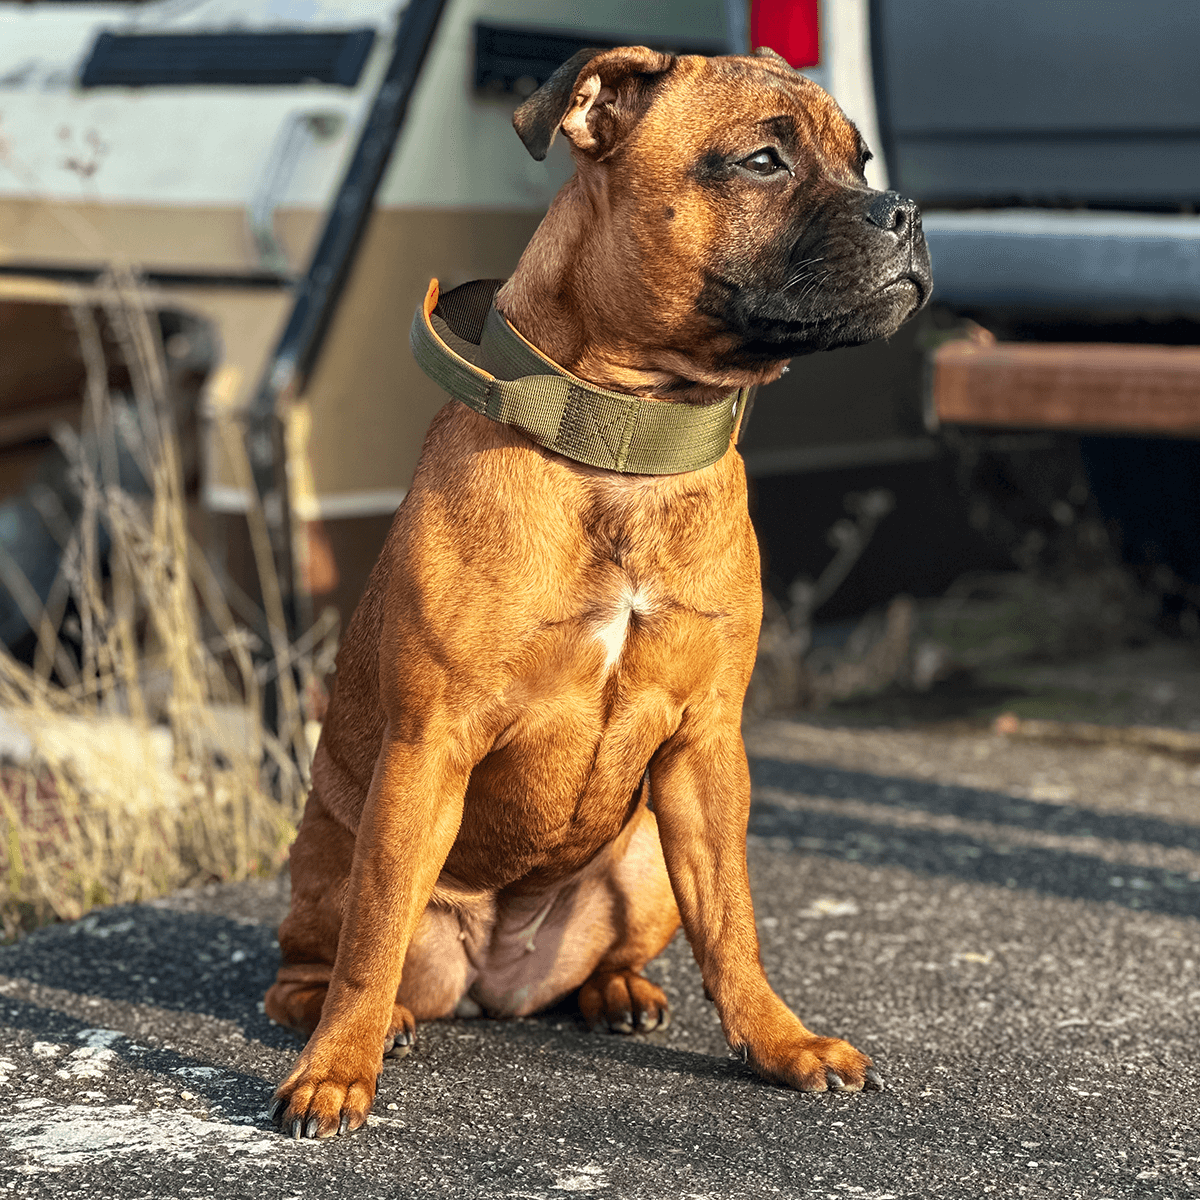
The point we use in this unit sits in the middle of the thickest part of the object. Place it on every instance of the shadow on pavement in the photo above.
(241, 1097)
(1055, 871)
(209, 965)
(639, 1052)
(189, 962)
(206, 965)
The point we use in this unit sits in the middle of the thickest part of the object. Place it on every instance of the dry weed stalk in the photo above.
(788, 674)
(150, 767)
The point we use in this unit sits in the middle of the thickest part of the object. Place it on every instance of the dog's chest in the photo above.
(602, 691)
(633, 604)
(630, 659)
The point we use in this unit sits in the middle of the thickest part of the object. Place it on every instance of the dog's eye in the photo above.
(764, 162)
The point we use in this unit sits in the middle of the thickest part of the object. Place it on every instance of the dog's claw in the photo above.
(834, 1081)
(276, 1110)
(400, 1043)
(344, 1124)
(622, 1002)
(874, 1079)
(297, 1129)
(313, 1128)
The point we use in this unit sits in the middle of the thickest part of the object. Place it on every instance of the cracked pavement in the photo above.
(1012, 932)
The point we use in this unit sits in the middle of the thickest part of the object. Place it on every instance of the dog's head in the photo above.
(733, 204)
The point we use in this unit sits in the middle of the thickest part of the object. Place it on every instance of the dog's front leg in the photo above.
(700, 788)
(408, 825)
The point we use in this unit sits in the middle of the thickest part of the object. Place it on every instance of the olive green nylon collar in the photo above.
(456, 337)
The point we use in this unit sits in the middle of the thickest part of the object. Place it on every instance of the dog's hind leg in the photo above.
(437, 969)
(593, 934)
(308, 937)
(616, 996)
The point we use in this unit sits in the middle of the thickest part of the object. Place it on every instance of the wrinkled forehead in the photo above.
(716, 100)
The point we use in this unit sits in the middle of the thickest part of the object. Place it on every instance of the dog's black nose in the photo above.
(893, 212)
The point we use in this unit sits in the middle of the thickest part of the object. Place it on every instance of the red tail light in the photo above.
(789, 27)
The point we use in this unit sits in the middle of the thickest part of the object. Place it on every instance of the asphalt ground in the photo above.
(1025, 971)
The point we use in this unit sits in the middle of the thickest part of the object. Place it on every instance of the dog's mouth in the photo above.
(910, 281)
(862, 288)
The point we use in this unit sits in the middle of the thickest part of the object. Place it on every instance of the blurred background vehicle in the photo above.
(1055, 153)
(287, 177)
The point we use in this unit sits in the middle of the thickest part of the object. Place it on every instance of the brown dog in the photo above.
(544, 648)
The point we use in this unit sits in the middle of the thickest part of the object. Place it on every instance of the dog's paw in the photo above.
(401, 1035)
(326, 1095)
(813, 1064)
(623, 1002)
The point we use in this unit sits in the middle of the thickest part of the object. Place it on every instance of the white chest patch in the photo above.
(612, 635)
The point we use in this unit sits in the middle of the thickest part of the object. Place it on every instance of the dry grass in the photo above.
(788, 673)
(150, 768)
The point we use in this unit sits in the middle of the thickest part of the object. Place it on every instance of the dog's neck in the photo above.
(565, 261)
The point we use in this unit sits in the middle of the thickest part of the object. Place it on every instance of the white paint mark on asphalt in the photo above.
(87, 1062)
(79, 1133)
(6, 1069)
(586, 1179)
(197, 1072)
(262, 1117)
(99, 1039)
(860, 1192)
(829, 906)
(46, 1049)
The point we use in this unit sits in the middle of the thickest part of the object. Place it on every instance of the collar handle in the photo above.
(560, 412)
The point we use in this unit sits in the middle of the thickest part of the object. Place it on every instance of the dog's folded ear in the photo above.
(767, 52)
(595, 98)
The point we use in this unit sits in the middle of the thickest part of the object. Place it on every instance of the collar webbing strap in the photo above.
(455, 335)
